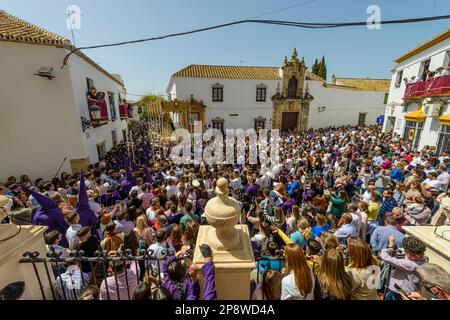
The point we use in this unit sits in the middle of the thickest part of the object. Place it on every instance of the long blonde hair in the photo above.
(305, 230)
(334, 278)
(296, 263)
(141, 222)
(360, 254)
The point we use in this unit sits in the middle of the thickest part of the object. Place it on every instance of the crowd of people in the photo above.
(326, 222)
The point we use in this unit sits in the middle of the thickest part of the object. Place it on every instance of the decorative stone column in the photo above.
(28, 238)
(232, 250)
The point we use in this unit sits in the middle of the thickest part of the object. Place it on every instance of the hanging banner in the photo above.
(411, 134)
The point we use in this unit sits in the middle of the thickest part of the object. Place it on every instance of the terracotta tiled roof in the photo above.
(13, 29)
(234, 72)
(425, 45)
(363, 84)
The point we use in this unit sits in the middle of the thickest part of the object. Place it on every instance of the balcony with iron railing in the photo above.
(98, 112)
(434, 87)
(123, 111)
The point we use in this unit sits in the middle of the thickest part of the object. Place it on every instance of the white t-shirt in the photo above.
(95, 207)
(433, 183)
(289, 289)
(157, 249)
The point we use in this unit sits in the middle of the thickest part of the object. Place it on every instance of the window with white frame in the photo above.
(412, 133)
(443, 142)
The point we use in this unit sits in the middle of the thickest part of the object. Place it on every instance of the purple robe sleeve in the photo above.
(209, 279)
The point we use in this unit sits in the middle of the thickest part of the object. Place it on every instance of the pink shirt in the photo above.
(146, 198)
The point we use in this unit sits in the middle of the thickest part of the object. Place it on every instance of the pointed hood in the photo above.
(46, 203)
(134, 165)
(128, 174)
(87, 215)
(148, 176)
(49, 215)
(146, 153)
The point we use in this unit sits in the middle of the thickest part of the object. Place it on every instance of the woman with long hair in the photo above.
(189, 238)
(336, 283)
(175, 238)
(361, 264)
(270, 287)
(144, 233)
(363, 212)
(264, 236)
(291, 223)
(298, 283)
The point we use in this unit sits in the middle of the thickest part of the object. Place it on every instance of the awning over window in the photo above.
(445, 119)
(418, 116)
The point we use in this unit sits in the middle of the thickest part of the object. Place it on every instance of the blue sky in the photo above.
(147, 67)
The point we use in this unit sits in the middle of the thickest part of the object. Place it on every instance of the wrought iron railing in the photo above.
(100, 269)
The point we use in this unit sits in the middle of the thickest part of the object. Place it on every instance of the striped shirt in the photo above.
(386, 206)
(71, 283)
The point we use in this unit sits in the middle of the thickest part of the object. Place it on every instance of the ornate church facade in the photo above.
(287, 98)
(291, 102)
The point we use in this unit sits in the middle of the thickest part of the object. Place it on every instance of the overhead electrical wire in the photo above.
(308, 25)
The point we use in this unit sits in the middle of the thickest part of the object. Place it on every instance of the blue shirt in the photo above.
(344, 232)
(298, 238)
(292, 186)
(380, 237)
(317, 230)
(265, 265)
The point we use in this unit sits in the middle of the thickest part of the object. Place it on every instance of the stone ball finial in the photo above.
(222, 214)
(222, 186)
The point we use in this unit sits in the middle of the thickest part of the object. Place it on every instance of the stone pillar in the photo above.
(436, 239)
(30, 238)
(232, 250)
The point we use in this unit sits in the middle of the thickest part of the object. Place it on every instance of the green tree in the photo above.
(315, 67)
(322, 69)
(144, 102)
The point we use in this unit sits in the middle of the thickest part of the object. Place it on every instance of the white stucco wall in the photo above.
(239, 97)
(40, 119)
(37, 115)
(343, 106)
(79, 71)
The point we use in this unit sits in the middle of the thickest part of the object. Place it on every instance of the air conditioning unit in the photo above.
(432, 110)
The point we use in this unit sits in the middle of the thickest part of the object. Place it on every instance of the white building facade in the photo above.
(252, 97)
(42, 108)
(417, 107)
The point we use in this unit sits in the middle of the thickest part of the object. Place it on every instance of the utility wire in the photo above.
(285, 8)
(308, 25)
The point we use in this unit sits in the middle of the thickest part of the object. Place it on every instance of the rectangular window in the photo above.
(260, 94)
(386, 97)
(362, 118)
(425, 66)
(398, 79)
(112, 106)
(101, 149)
(89, 83)
(412, 133)
(443, 143)
(217, 94)
(114, 137)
